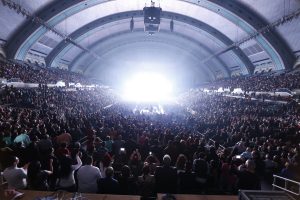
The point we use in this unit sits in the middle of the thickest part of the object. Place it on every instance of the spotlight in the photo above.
(147, 87)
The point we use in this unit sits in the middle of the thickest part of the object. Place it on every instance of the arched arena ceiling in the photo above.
(209, 33)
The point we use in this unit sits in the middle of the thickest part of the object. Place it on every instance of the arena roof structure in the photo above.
(211, 38)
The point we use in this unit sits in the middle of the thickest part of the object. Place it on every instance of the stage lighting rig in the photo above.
(152, 18)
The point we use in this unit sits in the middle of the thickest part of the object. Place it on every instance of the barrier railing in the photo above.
(82, 139)
(290, 186)
(221, 147)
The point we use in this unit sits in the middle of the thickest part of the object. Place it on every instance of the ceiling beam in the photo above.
(28, 34)
(92, 26)
(80, 60)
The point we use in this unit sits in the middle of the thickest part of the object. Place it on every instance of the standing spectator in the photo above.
(166, 177)
(88, 177)
(64, 137)
(180, 163)
(201, 169)
(37, 178)
(109, 185)
(127, 181)
(23, 138)
(66, 179)
(248, 179)
(247, 154)
(15, 176)
(146, 183)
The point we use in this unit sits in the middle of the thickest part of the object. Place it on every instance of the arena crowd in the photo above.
(91, 142)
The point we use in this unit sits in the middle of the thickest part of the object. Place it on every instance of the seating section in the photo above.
(262, 82)
(28, 74)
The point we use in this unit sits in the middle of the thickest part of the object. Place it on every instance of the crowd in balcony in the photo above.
(262, 82)
(40, 75)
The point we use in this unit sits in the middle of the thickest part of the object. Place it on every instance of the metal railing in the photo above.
(221, 147)
(290, 186)
(82, 139)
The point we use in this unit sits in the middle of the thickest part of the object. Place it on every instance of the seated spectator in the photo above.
(15, 176)
(109, 185)
(88, 177)
(166, 177)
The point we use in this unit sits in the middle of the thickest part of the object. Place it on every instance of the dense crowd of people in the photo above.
(40, 75)
(126, 151)
(262, 82)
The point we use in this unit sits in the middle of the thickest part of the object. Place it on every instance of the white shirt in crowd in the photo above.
(88, 177)
(15, 177)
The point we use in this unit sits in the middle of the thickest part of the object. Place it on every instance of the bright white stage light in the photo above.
(147, 87)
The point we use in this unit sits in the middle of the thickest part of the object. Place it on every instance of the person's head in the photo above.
(250, 165)
(181, 161)
(89, 160)
(109, 172)
(13, 161)
(248, 149)
(146, 169)
(202, 155)
(125, 171)
(77, 145)
(63, 145)
(106, 160)
(287, 165)
(166, 160)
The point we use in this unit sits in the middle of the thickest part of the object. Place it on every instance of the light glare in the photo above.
(147, 87)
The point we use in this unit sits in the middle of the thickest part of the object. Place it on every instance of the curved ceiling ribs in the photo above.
(93, 46)
(29, 33)
(131, 41)
(250, 22)
(137, 40)
(91, 27)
